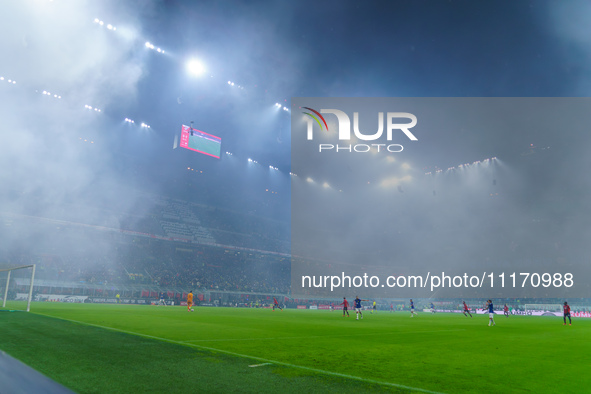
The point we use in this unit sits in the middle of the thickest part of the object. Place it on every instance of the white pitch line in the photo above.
(259, 365)
(264, 360)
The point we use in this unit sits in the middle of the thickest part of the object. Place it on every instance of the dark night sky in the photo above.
(276, 51)
(279, 50)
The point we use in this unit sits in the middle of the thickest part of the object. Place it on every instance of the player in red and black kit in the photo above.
(466, 309)
(276, 304)
(506, 310)
(345, 305)
(566, 309)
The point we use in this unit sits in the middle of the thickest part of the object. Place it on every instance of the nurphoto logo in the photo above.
(344, 130)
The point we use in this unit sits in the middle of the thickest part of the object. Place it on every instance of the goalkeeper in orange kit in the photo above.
(190, 301)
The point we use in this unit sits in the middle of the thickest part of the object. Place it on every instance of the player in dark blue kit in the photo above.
(432, 307)
(357, 302)
(412, 308)
(491, 313)
(162, 302)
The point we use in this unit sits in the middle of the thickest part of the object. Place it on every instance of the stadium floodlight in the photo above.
(96, 20)
(149, 45)
(1, 78)
(195, 67)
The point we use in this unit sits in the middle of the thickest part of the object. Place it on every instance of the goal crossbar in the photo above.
(16, 268)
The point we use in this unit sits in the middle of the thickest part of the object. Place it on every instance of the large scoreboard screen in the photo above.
(200, 141)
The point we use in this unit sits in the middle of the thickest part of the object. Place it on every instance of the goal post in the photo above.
(18, 285)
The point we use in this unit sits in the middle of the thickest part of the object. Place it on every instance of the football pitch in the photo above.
(95, 348)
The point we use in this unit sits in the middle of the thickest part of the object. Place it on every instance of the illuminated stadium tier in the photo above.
(200, 141)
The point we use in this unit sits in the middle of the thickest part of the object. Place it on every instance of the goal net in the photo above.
(16, 287)
(543, 308)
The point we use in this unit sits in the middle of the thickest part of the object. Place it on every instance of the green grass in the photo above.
(167, 349)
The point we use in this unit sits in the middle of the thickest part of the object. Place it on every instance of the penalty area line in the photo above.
(261, 359)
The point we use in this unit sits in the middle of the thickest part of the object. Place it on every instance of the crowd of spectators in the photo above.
(165, 265)
(170, 265)
(237, 251)
(248, 253)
